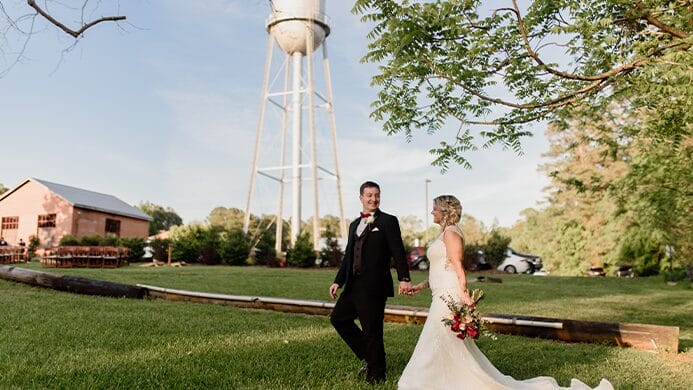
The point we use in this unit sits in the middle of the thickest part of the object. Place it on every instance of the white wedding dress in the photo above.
(442, 361)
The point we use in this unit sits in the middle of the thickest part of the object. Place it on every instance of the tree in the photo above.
(235, 247)
(327, 222)
(331, 252)
(195, 243)
(496, 247)
(302, 253)
(34, 244)
(264, 252)
(163, 217)
(226, 218)
(588, 155)
(475, 233)
(658, 192)
(604, 205)
(20, 23)
(412, 230)
(493, 71)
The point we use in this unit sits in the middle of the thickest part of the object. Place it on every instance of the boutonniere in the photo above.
(370, 219)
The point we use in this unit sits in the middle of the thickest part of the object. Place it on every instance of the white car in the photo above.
(516, 262)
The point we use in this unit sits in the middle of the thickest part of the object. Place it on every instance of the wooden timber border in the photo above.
(642, 336)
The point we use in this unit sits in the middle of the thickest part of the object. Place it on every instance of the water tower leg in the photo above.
(313, 144)
(278, 234)
(258, 134)
(333, 127)
(296, 147)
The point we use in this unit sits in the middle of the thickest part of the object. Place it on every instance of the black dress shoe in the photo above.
(375, 379)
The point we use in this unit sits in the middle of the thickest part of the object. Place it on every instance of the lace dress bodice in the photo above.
(442, 277)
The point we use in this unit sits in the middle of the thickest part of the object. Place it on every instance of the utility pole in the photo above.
(426, 181)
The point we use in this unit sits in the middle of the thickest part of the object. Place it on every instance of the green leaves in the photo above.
(454, 61)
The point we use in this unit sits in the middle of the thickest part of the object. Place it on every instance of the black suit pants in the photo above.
(367, 341)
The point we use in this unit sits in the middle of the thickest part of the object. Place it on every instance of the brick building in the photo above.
(51, 211)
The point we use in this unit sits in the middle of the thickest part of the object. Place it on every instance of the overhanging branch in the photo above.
(74, 33)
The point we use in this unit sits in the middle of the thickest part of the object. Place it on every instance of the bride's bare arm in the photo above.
(454, 247)
(418, 287)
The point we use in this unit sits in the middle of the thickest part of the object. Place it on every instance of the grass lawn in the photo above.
(59, 340)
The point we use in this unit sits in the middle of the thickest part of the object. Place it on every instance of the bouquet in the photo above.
(465, 320)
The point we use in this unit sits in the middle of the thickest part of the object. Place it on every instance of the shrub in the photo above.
(195, 243)
(90, 241)
(264, 252)
(109, 240)
(302, 253)
(471, 256)
(235, 247)
(34, 244)
(135, 247)
(331, 252)
(676, 275)
(643, 251)
(160, 248)
(69, 240)
(496, 248)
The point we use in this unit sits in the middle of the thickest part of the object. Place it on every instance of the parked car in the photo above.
(625, 271)
(482, 264)
(420, 263)
(417, 258)
(516, 262)
(596, 271)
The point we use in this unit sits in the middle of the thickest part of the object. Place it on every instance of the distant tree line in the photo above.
(163, 218)
(613, 199)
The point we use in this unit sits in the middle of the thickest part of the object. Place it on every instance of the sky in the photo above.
(164, 108)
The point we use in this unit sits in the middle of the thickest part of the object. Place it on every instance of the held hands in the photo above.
(404, 288)
(412, 289)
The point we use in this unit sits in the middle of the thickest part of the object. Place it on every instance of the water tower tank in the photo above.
(289, 19)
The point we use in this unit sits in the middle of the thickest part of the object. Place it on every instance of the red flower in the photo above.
(473, 333)
(461, 336)
(455, 327)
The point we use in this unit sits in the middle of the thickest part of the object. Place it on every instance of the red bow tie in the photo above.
(365, 215)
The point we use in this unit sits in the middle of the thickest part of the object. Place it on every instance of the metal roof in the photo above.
(93, 200)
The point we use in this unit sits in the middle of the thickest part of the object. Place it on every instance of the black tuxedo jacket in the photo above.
(382, 242)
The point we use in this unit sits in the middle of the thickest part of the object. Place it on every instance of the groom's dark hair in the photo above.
(368, 184)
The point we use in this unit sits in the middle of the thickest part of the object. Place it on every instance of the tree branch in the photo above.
(555, 72)
(77, 33)
(525, 106)
(671, 30)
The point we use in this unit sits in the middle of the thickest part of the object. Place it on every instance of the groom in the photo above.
(374, 239)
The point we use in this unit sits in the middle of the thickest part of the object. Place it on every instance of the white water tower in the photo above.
(298, 28)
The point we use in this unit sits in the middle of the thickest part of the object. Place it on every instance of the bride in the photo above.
(441, 360)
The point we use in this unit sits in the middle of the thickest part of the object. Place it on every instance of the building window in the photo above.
(10, 223)
(46, 221)
(113, 227)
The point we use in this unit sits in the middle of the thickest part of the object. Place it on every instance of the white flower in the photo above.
(370, 219)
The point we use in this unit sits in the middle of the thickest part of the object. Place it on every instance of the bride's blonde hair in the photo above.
(450, 208)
